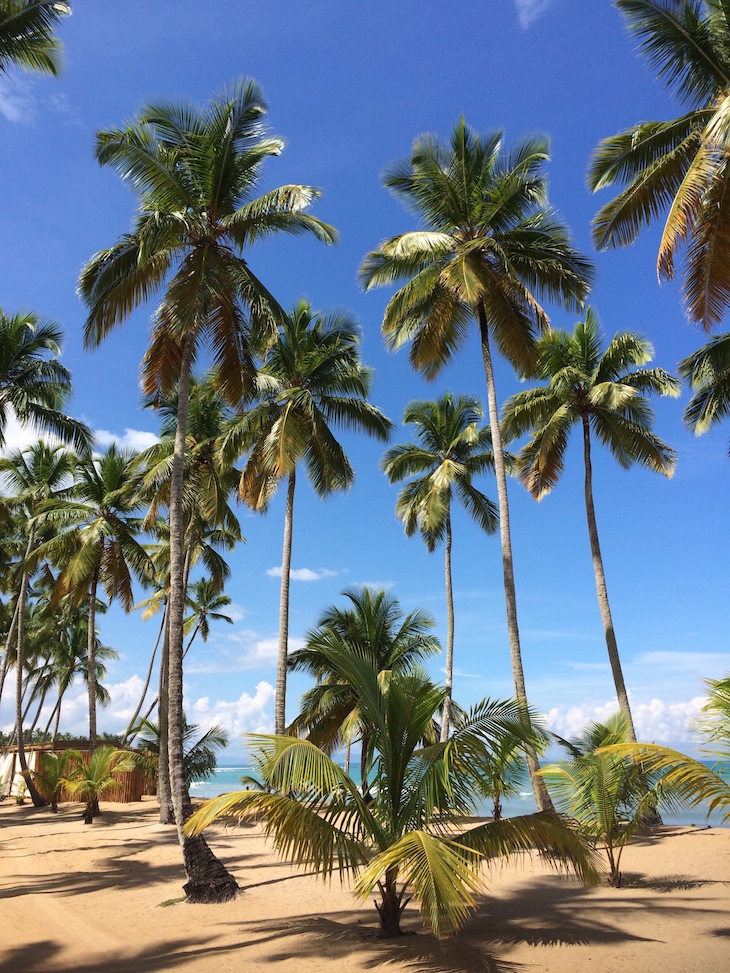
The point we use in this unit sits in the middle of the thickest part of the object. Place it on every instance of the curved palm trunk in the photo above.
(91, 661)
(8, 644)
(38, 712)
(280, 704)
(35, 796)
(208, 879)
(449, 633)
(542, 798)
(618, 676)
(147, 681)
(56, 724)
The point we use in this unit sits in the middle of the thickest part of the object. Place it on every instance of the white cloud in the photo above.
(20, 435)
(17, 103)
(247, 714)
(303, 574)
(529, 10)
(375, 585)
(670, 724)
(240, 651)
(133, 439)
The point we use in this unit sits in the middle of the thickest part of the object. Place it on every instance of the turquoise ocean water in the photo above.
(229, 779)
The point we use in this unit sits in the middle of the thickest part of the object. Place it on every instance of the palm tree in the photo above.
(374, 626)
(708, 374)
(34, 475)
(99, 546)
(205, 603)
(91, 781)
(26, 34)
(312, 378)
(412, 829)
(489, 247)
(34, 385)
(682, 164)
(449, 452)
(196, 170)
(600, 391)
(201, 755)
(610, 794)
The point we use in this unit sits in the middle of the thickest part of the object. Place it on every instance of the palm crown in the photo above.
(681, 164)
(26, 34)
(489, 244)
(601, 389)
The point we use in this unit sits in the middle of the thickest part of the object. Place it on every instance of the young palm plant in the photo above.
(610, 794)
(374, 625)
(92, 781)
(196, 170)
(409, 839)
(311, 379)
(603, 392)
(489, 249)
(680, 165)
(450, 450)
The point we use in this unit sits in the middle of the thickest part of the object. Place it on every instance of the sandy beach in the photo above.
(106, 898)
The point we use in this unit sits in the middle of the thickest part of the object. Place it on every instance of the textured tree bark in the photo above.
(35, 796)
(164, 796)
(391, 906)
(91, 660)
(280, 704)
(208, 879)
(608, 631)
(449, 633)
(542, 798)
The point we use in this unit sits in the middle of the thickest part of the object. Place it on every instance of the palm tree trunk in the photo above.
(55, 726)
(280, 704)
(618, 676)
(91, 661)
(35, 796)
(53, 713)
(208, 879)
(8, 643)
(347, 757)
(147, 681)
(542, 798)
(449, 633)
(164, 795)
(38, 712)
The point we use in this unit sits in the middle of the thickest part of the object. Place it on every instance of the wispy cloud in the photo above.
(303, 574)
(529, 10)
(240, 651)
(17, 101)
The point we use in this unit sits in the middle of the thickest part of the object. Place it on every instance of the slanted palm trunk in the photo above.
(38, 801)
(618, 676)
(449, 633)
(280, 715)
(128, 731)
(8, 643)
(208, 879)
(91, 656)
(542, 798)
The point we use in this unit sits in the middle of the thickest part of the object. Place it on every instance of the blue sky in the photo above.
(349, 87)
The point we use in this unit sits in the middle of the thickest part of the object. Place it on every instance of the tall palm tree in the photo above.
(34, 476)
(195, 170)
(26, 34)
(373, 626)
(489, 248)
(205, 601)
(603, 391)
(680, 165)
(708, 374)
(99, 546)
(450, 450)
(311, 379)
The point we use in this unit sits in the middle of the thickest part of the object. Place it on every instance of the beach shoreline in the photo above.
(107, 897)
